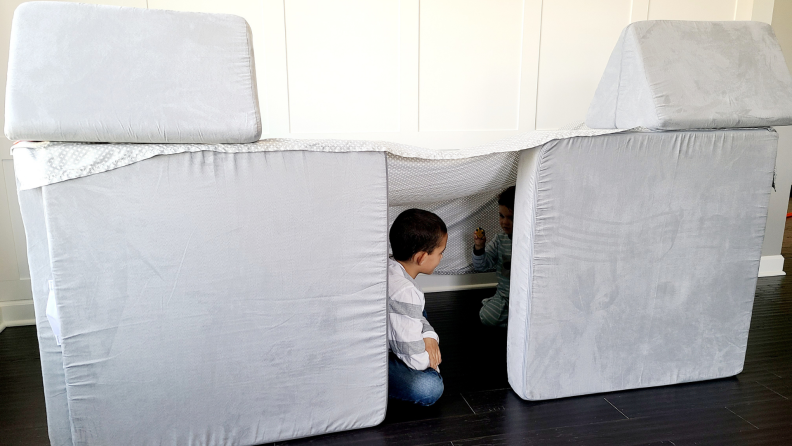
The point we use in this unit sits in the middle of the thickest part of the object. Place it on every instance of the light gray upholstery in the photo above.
(58, 421)
(80, 72)
(635, 259)
(688, 75)
(211, 298)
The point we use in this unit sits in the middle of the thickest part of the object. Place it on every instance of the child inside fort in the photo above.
(496, 254)
(417, 239)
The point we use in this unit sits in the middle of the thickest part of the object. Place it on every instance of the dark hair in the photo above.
(415, 230)
(506, 198)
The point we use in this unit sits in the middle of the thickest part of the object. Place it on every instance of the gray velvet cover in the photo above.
(688, 75)
(58, 421)
(213, 298)
(635, 259)
(80, 72)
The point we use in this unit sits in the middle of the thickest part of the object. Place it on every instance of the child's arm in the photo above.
(433, 349)
(408, 337)
(484, 261)
(432, 343)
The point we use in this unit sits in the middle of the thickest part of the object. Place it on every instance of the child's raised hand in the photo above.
(479, 239)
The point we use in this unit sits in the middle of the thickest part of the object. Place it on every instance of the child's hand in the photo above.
(479, 239)
(434, 352)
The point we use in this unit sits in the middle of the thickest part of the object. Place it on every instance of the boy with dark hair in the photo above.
(418, 239)
(497, 254)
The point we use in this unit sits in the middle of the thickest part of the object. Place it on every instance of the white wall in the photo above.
(781, 13)
(433, 73)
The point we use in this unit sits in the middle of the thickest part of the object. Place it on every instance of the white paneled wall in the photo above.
(470, 65)
(433, 73)
(343, 65)
(577, 39)
(688, 10)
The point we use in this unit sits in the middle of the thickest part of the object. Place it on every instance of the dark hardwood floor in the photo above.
(479, 408)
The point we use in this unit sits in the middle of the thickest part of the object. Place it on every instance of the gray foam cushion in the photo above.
(688, 75)
(214, 298)
(635, 261)
(94, 73)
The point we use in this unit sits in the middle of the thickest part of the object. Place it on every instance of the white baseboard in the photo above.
(15, 313)
(437, 283)
(771, 266)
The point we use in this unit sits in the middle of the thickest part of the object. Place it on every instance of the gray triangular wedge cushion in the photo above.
(80, 72)
(686, 75)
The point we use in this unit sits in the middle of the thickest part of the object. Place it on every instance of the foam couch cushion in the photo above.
(80, 72)
(215, 298)
(636, 258)
(689, 75)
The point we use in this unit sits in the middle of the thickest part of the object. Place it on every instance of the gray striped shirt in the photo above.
(497, 254)
(407, 327)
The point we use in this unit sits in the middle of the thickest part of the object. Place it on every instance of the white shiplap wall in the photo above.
(433, 73)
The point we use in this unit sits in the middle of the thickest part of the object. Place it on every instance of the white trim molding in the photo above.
(15, 313)
(437, 283)
(771, 266)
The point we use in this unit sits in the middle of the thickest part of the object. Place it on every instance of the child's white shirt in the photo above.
(407, 327)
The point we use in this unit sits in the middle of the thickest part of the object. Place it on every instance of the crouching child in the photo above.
(418, 239)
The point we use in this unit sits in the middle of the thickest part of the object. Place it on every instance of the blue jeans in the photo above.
(422, 387)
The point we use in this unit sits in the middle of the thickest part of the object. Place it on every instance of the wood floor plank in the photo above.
(450, 405)
(25, 435)
(667, 428)
(521, 418)
(767, 414)
(23, 418)
(683, 397)
(506, 400)
(759, 437)
(774, 382)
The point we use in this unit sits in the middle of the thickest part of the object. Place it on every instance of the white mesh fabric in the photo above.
(40, 164)
(463, 192)
(417, 180)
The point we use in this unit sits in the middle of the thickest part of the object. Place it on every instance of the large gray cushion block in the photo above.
(214, 298)
(635, 259)
(688, 75)
(94, 73)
